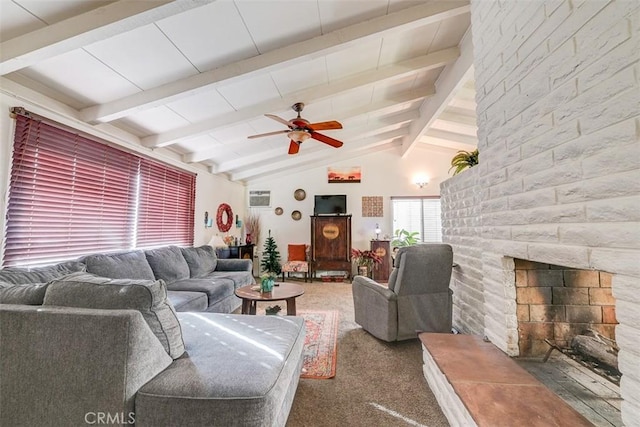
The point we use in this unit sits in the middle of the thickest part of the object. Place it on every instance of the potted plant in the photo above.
(267, 281)
(252, 228)
(402, 237)
(228, 240)
(270, 264)
(365, 261)
(464, 159)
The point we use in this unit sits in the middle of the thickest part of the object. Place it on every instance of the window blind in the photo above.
(70, 195)
(418, 214)
(166, 210)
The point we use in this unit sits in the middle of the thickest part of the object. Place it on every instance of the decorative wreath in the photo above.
(224, 209)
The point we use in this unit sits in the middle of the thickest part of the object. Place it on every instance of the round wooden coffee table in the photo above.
(281, 292)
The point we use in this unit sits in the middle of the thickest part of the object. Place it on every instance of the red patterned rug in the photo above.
(320, 345)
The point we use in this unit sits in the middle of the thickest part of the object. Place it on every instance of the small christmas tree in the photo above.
(270, 257)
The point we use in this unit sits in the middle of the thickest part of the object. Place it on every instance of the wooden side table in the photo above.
(281, 292)
(382, 248)
(242, 252)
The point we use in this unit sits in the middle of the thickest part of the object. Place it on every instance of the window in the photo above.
(166, 206)
(418, 214)
(70, 195)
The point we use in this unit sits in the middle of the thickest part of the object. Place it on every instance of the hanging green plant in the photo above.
(464, 159)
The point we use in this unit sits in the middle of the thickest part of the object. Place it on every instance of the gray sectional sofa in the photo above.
(132, 338)
(196, 279)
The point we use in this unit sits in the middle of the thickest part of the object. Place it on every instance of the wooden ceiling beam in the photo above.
(373, 127)
(365, 79)
(427, 142)
(454, 127)
(451, 136)
(452, 78)
(82, 30)
(325, 161)
(276, 59)
(311, 156)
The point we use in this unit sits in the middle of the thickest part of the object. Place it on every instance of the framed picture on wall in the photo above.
(344, 175)
(372, 206)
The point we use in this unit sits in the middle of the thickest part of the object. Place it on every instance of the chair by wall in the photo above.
(417, 299)
(297, 261)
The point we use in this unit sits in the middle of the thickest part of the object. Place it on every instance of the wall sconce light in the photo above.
(421, 180)
(378, 231)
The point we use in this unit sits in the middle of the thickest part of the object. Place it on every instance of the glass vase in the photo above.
(363, 270)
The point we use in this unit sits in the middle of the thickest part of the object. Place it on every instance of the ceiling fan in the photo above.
(300, 130)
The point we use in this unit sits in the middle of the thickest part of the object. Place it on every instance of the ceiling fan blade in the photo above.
(326, 125)
(278, 132)
(294, 147)
(278, 119)
(326, 139)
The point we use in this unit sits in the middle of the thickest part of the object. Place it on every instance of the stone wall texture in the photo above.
(558, 107)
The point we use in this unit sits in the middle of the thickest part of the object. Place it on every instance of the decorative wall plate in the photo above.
(279, 210)
(296, 215)
(299, 194)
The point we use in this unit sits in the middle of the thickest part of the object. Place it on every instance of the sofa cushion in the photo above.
(27, 294)
(234, 264)
(239, 278)
(148, 297)
(61, 365)
(121, 265)
(249, 381)
(201, 260)
(168, 263)
(188, 301)
(23, 276)
(215, 289)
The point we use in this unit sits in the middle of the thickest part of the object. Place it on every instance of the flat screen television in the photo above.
(330, 205)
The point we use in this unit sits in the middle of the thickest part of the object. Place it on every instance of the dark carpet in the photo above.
(376, 383)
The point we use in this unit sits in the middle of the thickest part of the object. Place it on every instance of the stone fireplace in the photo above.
(557, 184)
(555, 303)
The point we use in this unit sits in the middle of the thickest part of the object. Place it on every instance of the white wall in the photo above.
(384, 174)
(461, 198)
(558, 181)
(211, 190)
(6, 145)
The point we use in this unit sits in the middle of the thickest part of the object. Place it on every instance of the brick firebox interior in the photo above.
(558, 303)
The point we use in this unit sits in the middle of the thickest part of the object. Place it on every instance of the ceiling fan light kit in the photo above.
(300, 130)
(298, 135)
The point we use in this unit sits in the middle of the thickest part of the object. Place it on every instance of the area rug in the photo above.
(320, 345)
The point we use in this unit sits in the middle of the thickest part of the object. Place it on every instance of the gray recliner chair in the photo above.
(417, 299)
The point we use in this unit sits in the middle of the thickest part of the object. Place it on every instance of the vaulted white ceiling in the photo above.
(197, 76)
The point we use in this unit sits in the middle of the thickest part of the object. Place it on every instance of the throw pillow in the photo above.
(297, 252)
(201, 260)
(27, 294)
(122, 265)
(86, 290)
(168, 263)
(39, 275)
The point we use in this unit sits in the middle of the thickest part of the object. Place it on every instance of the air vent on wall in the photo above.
(259, 199)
